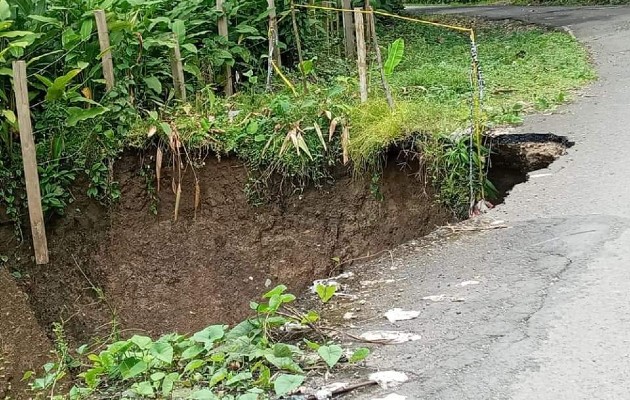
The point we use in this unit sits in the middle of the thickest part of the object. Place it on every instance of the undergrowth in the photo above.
(260, 358)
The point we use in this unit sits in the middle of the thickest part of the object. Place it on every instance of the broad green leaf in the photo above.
(278, 290)
(248, 396)
(144, 389)
(157, 376)
(193, 365)
(203, 394)
(14, 34)
(209, 335)
(286, 383)
(131, 367)
(153, 83)
(5, 10)
(9, 116)
(325, 292)
(6, 72)
(312, 345)
(168, 382)
(77, 114)
(245, 328)
(218, 377)
(242, 376)
(58, 87)
(330, 354)
(252, 127)
(86, 29)
(46, 20)
(306, 67)
(192, 352)
(282, 350)
(284, 363)
(179, 29)
(143, 342)
(359, 355)
(395, 54)
(163, 352)
(190, 47)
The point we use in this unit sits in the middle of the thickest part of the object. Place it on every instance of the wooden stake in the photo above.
(379, 60)
(298, 43)
(106, 52)
(223, 31)
(273, 22)
(348, 29)
(177, 70)
(368, 21)
(29, 158)
(361, 53)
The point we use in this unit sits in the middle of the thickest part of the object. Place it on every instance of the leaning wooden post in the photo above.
(223, 31)
(273, 27)
(368, 21)
(361, 53)
(106, 52)
(29, 158)
(379, 60)
(348, 29)
(177, 70)
(298, 43)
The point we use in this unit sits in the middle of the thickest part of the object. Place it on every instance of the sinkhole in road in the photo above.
(514, 156)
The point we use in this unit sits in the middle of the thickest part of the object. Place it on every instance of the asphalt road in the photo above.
(550, 316)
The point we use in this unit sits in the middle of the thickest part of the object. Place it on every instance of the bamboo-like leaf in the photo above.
(395, 54)
(332, 128)
(320, 135)
(158, 166)
(197, 196)
(302, 145)
(178, 197)
(345, 143)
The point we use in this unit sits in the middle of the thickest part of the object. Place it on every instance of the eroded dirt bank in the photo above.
(156, 275)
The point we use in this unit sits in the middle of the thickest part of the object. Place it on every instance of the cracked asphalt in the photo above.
(550, 315)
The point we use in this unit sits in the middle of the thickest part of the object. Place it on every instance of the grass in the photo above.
(525, 68)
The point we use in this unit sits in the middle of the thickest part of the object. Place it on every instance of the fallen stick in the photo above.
(345, 389)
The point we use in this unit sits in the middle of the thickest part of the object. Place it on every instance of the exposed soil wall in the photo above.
(160, 276)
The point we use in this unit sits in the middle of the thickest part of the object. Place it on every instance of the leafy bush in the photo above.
(245, 362)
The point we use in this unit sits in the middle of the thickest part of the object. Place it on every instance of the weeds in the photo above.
(247, 361)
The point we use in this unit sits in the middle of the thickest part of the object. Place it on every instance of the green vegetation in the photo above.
(246, 362)
(289, 137)
(525, 68)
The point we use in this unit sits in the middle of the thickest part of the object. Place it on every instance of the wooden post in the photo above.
(273, 27)
(223, 31)
(298, 43)
(361, 53)
(106, 52)
(177, 70)
(348, 29)
(379, 60)
(29, 158)
(368, 21)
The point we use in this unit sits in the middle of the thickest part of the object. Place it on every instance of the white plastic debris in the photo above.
(398, 314)
(441, 297)
(349, 315)
(389, 337)
(392, 396)
(327, 391)
(388, 379)
(469, 283)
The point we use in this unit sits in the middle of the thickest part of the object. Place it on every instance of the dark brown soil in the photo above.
(157, 275)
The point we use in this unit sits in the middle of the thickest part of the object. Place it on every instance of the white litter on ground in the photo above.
(388, 379)
(392, 396)
(443, 297)
(389, 337)
(398, 314)
(469, 283)
(326, 392)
